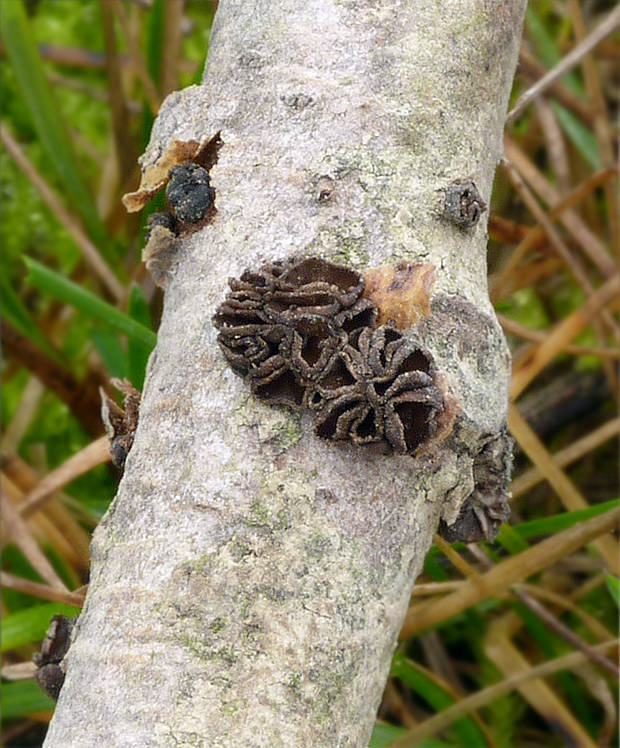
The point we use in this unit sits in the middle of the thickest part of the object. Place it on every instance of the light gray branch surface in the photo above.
(249, 581)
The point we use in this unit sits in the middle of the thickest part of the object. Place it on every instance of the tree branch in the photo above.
(250, 580)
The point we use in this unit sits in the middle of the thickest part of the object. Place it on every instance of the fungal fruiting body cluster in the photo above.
(120, 423)
(190, 197)
(463, 204)
(300, 332)
(487, 507)
(50, 672)
(190, 203)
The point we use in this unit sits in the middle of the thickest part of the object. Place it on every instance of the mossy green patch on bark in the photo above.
(217, 625)
(318, 545)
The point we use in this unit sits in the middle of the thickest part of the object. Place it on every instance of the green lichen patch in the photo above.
(318, 546)
(217, 625)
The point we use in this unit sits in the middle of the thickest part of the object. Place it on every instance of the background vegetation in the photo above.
(81, 83)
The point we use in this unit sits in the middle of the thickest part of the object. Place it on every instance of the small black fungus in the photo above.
(167, 220)
(50, 674)
(189, 192)
(463, 204)
(325, 186)
(120, 424)
(301, 334)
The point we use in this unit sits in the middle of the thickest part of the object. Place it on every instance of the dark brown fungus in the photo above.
(379, 388)
(161, 250)
(120, 424)
(485, 510)
(50, 673)
(189, 192)
(280, 325)
(167, 220)
(301, 334)
(463, 204)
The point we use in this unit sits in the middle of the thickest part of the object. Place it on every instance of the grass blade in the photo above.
(61, 288)
(613, 585)
(16, 314)
(111, 352)
(24, 698)
(427, 688)
(383, 734)
(21, 50)
(31, 624)
(558, 522)
(137, 353)
(579, 135)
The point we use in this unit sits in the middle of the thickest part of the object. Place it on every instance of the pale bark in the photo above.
(249, 582)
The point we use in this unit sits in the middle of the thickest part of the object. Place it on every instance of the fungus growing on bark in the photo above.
(183, 168)
(279, 326)
(120, 424)
(161, 250)
(463, 204)
(166, 220)
(325, 187)
(486, 508)
(378, 388)
(189, 192)
(301, 334)
(157, 173)
(50, 673)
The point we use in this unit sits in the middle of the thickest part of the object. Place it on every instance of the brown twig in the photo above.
(91, 254)
(570, 496)
(537, 336)
(573, 263)
(554, 623)
(171, 52)
(602, 127)
(36, 589)
(535, 236)
(17, 531)
(568, 62)
(532, 69)
(564, 457)
(508, 572)
(83, 400)
(477, 700)
(150, 90)
(560, 335)
(595, 626)
(125, 145)
(555, 144)
(591, 245)
(96, 453)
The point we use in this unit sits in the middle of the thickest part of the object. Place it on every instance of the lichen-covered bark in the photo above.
(249, 581)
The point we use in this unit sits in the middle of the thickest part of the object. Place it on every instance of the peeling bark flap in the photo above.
(402, 292)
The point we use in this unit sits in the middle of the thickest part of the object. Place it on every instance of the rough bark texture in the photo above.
(249, 581)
